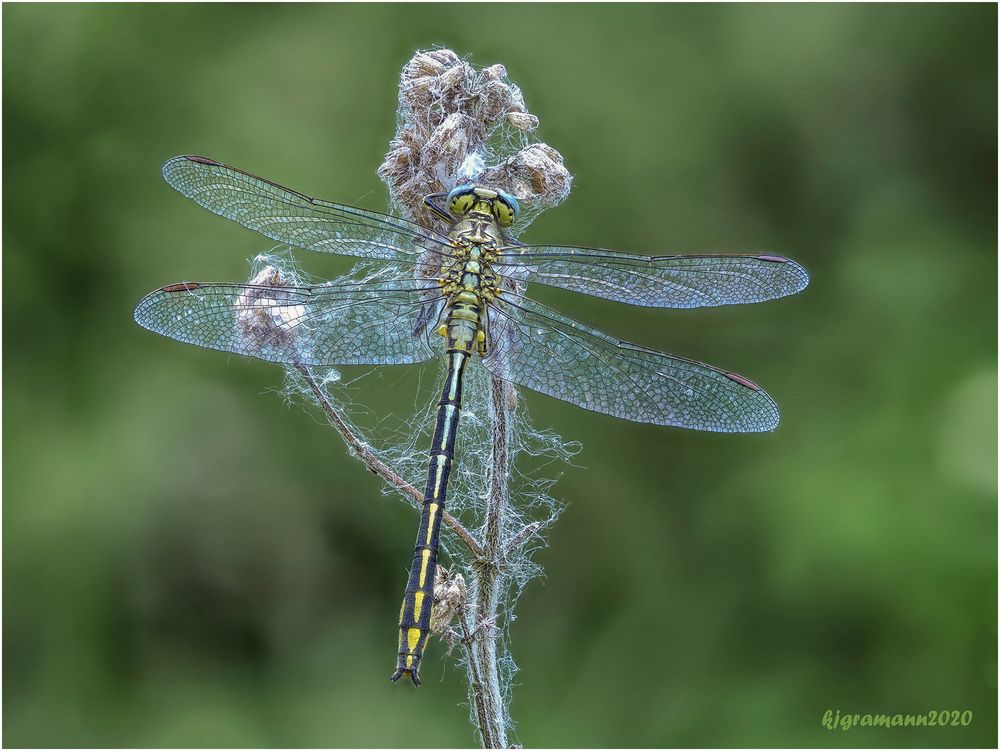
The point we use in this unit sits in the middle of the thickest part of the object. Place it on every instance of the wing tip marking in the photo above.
(180, 287)
(198, 160)
(742, 381)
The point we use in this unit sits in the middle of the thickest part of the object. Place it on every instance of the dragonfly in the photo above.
(461, 295)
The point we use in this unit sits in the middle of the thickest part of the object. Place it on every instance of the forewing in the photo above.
(536, 347)
(684, 281)
(382, 323)
(295, 219)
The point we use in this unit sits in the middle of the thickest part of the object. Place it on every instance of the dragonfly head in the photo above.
(471, 199)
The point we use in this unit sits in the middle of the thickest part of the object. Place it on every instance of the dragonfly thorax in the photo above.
(469, 282)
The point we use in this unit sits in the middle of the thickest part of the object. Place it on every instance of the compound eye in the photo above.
(460, 200)
(503, 213)
(505, 209)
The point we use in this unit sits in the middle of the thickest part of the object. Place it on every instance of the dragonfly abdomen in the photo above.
(461, 332)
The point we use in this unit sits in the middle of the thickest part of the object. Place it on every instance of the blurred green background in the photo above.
(187, 561)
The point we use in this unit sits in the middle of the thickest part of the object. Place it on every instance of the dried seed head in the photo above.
(447, 146)
(534, 173)
(261, 318)
(450, 595)
(522, 120)
(451, 114)
(517, 100)
(496, 100)
(430, 63)
(495, 72)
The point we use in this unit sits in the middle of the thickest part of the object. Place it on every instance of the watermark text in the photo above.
(833, 719)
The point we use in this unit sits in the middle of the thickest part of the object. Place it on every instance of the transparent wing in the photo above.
(295, 219)
(382, 323)
(658, 281)
(536, 347)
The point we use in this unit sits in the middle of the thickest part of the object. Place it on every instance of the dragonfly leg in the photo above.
(430, 201)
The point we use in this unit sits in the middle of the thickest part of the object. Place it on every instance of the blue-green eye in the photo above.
(510, 200)
(461, 199)
(460, 189)
(505, 209)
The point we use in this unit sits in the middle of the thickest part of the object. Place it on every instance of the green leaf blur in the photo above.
(187, 561)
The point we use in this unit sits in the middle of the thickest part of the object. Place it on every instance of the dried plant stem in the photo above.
(477, 692)
(378, 467)
(484, 676)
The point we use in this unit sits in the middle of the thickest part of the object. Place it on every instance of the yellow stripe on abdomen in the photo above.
(415, 614)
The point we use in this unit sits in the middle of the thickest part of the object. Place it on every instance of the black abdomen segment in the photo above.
(415, 614)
